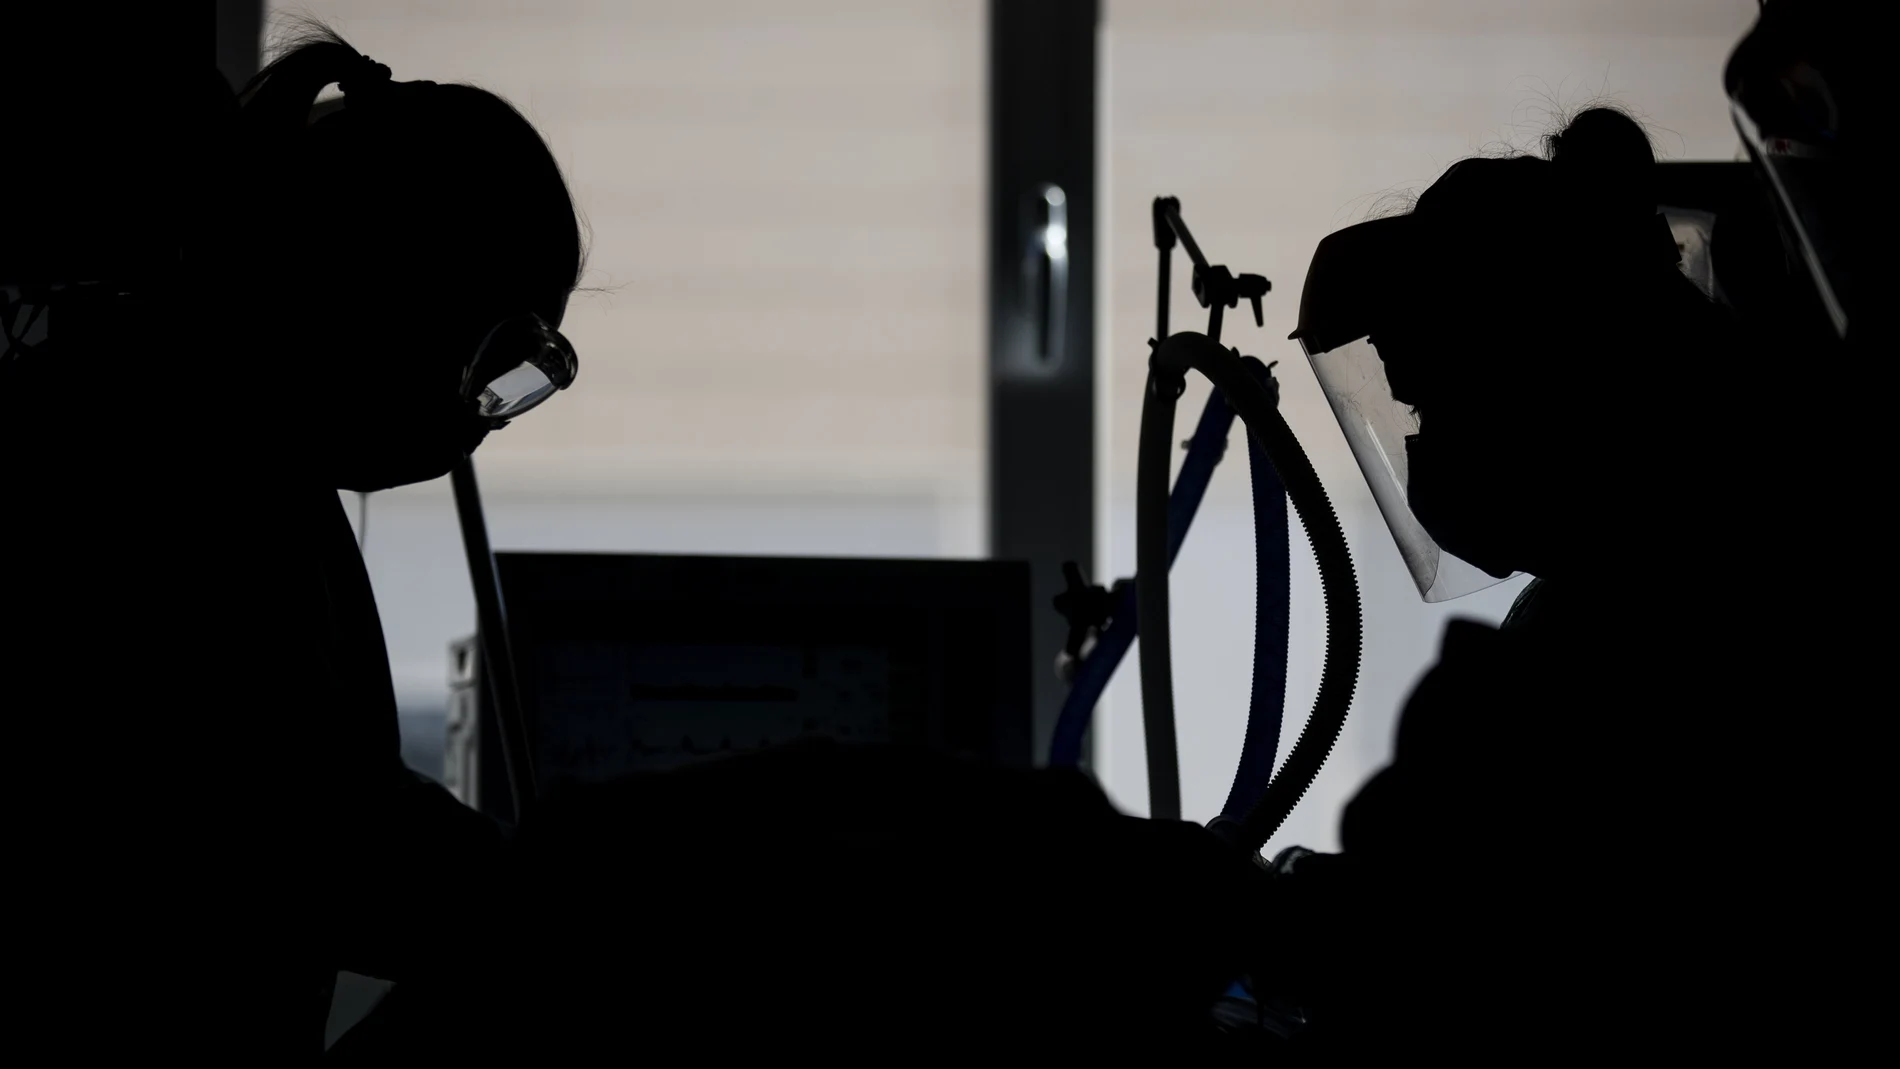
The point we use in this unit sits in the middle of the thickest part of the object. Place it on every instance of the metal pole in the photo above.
(498, 662)
(1173, 210)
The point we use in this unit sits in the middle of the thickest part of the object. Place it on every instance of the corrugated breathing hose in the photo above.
(1171, 360)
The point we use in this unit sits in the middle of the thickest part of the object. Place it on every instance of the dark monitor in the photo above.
(631, 664)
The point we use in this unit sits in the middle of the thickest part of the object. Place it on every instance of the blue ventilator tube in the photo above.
(1273, 606)
(1204, 453)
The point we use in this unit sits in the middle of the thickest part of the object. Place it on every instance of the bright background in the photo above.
(786, 350)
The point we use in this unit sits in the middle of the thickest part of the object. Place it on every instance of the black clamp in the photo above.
(1263, 372)
(1164, 380)
(1217, 285)
(1214, 285)
(1166, 210)
(1088, 607)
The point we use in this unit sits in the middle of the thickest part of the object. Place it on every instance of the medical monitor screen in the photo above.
(632, 664)
(609, 708)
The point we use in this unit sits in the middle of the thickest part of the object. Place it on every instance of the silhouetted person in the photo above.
(214, 817)
(1576, 844)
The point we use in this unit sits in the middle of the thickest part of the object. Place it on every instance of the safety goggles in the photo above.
(521, 363)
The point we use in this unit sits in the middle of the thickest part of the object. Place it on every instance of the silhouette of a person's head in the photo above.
(369, 250)
(1531, 312)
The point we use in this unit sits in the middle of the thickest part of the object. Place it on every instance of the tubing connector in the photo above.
(1168, 381)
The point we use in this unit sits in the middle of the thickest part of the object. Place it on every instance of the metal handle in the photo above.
(1046, 271)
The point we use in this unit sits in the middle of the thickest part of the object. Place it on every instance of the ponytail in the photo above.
(276, 104)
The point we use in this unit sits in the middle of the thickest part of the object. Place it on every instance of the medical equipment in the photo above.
(629, 664)
(1259, 801)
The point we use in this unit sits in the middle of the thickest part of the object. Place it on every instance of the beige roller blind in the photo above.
(786, 206)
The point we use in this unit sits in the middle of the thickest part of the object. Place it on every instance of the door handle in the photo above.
(1046, 273)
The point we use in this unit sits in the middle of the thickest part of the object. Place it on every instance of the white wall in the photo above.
(1277, 123)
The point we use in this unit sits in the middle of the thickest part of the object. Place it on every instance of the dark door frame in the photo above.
(1042, 242)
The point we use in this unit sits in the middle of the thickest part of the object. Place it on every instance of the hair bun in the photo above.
(1603, 136)
(1607, 156)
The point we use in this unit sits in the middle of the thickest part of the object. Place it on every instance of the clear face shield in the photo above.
(1791, 83)
(1809, 183)
(1376, 427)
(1350, 269)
